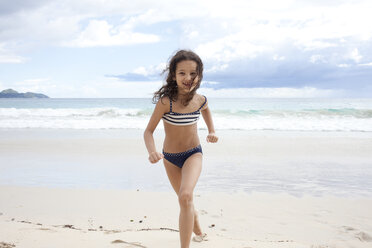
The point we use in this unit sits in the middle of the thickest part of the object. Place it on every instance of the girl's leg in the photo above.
(190, 174)
(175, 176)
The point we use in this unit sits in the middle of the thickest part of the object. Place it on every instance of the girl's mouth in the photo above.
(188, 85)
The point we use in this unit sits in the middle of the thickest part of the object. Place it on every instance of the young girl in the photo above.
(179, 106)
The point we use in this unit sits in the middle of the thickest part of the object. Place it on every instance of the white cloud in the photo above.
(218, 29)
(277, 57)
(101, 87)
(217, 68)
(62, 22)
(150, 70)
(111, 87)
(222, 33)
(37, 85)
(100, 33)
(317, 58)
(257, 27)
(343, 65)
(365, 64)
(7, 57)
(230, 48)
(354, 55)
(306, 92)
(11, 59)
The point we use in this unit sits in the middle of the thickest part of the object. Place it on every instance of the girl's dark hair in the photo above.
(170, 88)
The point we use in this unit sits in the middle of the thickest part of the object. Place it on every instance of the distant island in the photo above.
(9, 93)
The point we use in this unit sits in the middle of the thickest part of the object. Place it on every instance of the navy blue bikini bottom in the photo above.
(179, 159)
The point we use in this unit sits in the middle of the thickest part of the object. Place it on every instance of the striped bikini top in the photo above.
(182, 119)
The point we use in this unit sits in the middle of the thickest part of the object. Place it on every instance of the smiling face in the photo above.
(186, 76)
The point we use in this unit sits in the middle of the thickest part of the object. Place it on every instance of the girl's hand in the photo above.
(212, 138)
(154, 157)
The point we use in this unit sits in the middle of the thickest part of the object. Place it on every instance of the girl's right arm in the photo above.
(160, 109)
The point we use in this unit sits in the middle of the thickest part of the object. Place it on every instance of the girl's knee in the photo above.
(185, 198)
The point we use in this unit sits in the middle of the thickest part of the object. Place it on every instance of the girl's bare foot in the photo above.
(200, 238)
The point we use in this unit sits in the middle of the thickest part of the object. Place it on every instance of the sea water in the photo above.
(351, 115)
(342, 117)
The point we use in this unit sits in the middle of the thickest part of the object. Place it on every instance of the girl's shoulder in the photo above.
(164, 99)
(164, 102)
(201, 100)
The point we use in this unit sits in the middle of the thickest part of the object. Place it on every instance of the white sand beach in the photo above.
(49, 217)
(61, 188)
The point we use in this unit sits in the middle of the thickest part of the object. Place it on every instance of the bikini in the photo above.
(182, 119)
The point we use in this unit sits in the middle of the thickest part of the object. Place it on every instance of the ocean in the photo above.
(296, 146)
(351, 115)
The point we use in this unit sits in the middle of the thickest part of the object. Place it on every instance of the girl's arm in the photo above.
(159, 110)
(207, 116)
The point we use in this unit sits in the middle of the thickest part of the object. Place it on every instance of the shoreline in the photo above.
(200, 130)
(299, 163)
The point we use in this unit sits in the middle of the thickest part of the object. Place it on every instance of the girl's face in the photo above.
(186, 76)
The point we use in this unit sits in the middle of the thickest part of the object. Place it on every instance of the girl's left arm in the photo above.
(207, 116)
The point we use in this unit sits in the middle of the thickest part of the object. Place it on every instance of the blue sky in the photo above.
(258, 48)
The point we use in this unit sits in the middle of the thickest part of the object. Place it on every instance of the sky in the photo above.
(255, 48)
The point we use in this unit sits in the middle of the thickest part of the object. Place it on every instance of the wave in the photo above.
(327, 119)
(346, 112)
(72, 112)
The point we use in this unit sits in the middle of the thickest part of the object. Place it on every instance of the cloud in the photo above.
(100, 33)
(33, 81)
(113, 87)
(217, 29)
(36, 85)
(317, 58)
(230, 48)
(299, 69)
(7, 57)
(365, 64)
(133, 77)
(151, 73)
(354, 55)
(244, 44)
(75, 23)
(255, 29)
(11, 59)
(9, 7)
(305, 92)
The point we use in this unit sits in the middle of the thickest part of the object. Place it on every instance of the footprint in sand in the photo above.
(203, 212)
(348, 228)
(6, 245)
(362, 236)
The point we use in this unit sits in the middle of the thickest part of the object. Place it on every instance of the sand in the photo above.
(51, 217)
(38, 213)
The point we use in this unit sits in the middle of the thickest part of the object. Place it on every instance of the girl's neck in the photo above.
(182, 97)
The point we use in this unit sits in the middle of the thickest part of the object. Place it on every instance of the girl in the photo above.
(179, 106)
